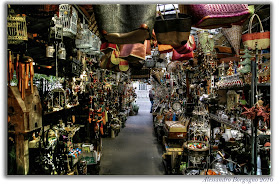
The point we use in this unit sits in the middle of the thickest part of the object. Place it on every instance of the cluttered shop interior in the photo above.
(138, 89)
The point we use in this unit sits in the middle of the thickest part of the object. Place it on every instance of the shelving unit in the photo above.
(227, 123)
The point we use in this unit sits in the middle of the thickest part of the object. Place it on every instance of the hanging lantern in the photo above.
(61, 51)
(49, 51)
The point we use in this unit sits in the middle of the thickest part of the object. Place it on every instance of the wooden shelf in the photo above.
(47, 113)
(246, 86)
(263, 84)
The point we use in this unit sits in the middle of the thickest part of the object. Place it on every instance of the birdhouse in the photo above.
(58, 97)
(232, 99)
(85, 40)
(25, 114)
(25, 117)
(222, 69)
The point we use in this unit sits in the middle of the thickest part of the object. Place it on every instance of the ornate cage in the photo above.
(69, 18)
(57, 30)
(86, 39)
(88, 42)
(17, 30)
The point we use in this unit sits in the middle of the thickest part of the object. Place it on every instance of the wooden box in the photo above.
(175, 130)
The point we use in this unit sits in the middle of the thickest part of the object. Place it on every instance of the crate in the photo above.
(17, 30)
(175, 130)
(69, 17)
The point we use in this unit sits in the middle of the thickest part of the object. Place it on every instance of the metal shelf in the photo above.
(227, 123)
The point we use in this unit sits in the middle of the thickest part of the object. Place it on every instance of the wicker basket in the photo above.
(233, 35)
(204, 143)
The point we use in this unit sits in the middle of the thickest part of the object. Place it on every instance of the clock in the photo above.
(176, 106)
(180, 91)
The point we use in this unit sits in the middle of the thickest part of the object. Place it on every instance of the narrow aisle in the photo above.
(135, 151)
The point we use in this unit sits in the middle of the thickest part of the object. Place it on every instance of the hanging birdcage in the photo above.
(95, 49)
(58, 28)
(96, 43)
(86, 39)
(17, 30)
(69, 18)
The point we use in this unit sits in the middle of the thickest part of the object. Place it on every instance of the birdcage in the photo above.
(86, 39)
(95, 48)
(58, 28)
(69, 18)
(56, 31)
(96, 43)
(17, 30)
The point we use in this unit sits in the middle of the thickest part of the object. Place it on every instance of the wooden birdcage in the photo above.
(17, 30)
(69, 18)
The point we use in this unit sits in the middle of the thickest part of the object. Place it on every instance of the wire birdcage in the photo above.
(17, 30)
(88, 42)
(86, 39)
(57, 30)
(69, 18)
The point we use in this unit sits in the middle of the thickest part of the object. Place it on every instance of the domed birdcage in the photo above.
(69, 18)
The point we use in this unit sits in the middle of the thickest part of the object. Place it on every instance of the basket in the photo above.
(209, 16)
(191, 143)
(17, 30)
(69, 17)
(233, 35)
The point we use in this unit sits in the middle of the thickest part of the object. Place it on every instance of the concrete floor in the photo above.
(135, 151)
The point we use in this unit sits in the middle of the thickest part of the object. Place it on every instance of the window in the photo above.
(142, 86)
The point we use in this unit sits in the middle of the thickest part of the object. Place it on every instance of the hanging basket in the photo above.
(233, 35)
(17, 30)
